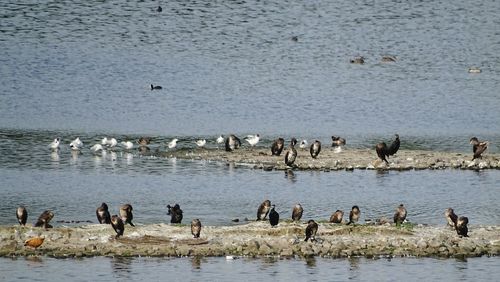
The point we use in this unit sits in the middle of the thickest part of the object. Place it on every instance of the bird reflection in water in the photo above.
(290, 175)
(122, 267)
(311, 262)
(196, 262)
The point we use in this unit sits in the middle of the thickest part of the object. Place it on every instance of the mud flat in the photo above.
(253, 239)
(347, 159)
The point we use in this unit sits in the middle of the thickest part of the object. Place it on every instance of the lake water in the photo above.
(80, 68)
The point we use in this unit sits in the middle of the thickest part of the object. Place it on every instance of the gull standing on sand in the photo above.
(54, 146)
(201, 143)
(172, 144)
(220, 139)
(303, 144)
(253, 139)
(76, 144)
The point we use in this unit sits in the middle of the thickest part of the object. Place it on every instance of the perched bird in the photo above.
(337, 216)
(263, 210)
(478, 147)
(96, 148)
(274, 217)
(118, 226)
(76, 144)
(252, 139)
(337, 141)
(303, 144)
(201, 143)
(400, 215)
(144, 141)
(102, 214)
(451, 217)
(277, 146)
(388, 59)
(393, 149)
(54, 145)
(196, 228)
(232, 143)
(461, 226)
(109, 142)
(22, 215)
(381, 149)
(220, 139)
(34, 242)
(291, 153)
(175, 213)
(311, 230)
(358, 60)
(315, 149)
(157, 87)
(126, 214)
(354, 215)
(44, 219)
(297, 212)
(172, 144)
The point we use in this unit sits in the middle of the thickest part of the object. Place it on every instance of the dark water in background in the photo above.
(83, 68)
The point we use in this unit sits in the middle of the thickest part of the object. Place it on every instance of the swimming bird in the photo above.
(337, 216)
(274, 217)
(252, 139)
(159, 9)
(127, 145)
(157, 87)
(461, 226)
(175, 213)
(303, 144)
(118, 226)
(388, 59)
(76, 144)
(277, 146)
(315, 149)
(109, 142)
(311, 230)
(337, 141)
(263, 210)
(451, 217)
(354, 215)
(474, 70)
(172, 144)
(393, 149)
(220, 139)
(297, 212)
(232, 143)
(44, 219)
(34, 242)
(358, 60)
(400, 215)
(54, 145)
(381, 149)
(102, 214)
(196, 228)
(96, 148)
(126, 214)
(22, 215)
(478, 147)
(201, 143)
(291, 153)
(144, 141)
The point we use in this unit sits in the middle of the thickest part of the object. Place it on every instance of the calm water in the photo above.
(83, 68)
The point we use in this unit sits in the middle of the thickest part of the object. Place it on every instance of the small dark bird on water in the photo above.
(393, 149)
(358, 60)
(232, 143)
(297, 212)
(126, 214)
(144, 141)
(354, 215)
(451, 217)
(311, 230)
(337, 141)
(291, 153)
(263, 210)
(102, 214)
(277, 146)
(381, 149)
(461, 226)
(337, 216)
(22, 215)
(157, 87)
(478, 147)
(118, 226)
(44, 219)
(400, 215)
(315, 149)
(159, 9)
(175, 213)
(196, 228)
(274, 217)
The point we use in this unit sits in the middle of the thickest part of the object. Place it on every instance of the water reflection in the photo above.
(310, 262)
(122, 267)
(290, 175)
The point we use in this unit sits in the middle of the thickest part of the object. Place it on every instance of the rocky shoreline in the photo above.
(253, 239)
(329, 160)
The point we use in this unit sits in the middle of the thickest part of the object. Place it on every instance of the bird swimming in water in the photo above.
(461, 226)
(144, 141)
(388, 59)
(291, 153)
(263, 210)
(102, 214)
(354, 215)
(358, 60)
(337, 216)
(175, 213)
(393, 149)
(297, 212)
(277, 146)
(157, 87)
(196, 228)
(172, 144)
(44, 219)
(34, 242)
(109, 142)
(274, 217)
(474, 70)
(451, 217)
(126, 214)
(252, 139)
(315, 149)
(127, 145)
(201, 143)
(22, 215)
(118, 226)
(381, 149)
(311, 230)
(337, 141)
(478, 147)
(76, 144)
(303, 144)
(54, 145)
(96, 148)
(400, 215)
(232, 143)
